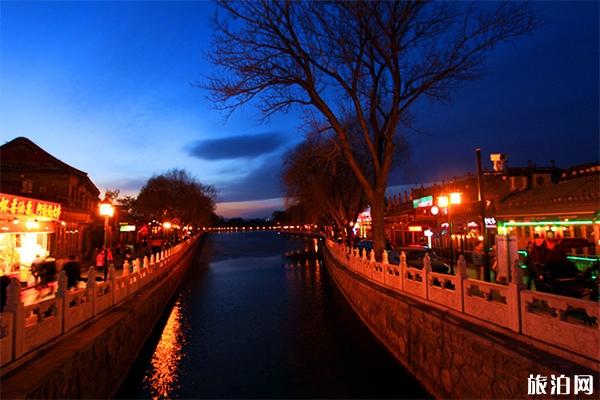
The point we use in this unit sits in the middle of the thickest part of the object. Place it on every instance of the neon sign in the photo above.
(22, 206)
(426, 201)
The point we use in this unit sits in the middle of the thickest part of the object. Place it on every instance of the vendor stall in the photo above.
(27, 228)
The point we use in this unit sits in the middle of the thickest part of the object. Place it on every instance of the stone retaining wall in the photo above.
(451, 356)
(91, 362)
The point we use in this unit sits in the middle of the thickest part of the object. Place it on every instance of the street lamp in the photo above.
(455, 198)
(166, 233)
(106, 210)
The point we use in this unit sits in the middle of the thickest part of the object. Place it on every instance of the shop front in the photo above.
(27, 233)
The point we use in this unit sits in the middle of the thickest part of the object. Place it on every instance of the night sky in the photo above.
(109, 88)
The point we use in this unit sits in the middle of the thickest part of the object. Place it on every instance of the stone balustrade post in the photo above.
(125, 268)
(402, 269)
(91, 280)
(372, 256)
(145, 262)
(90, 286)
(517, 274)
(363, 254)
(426, 273)
(136, 265)
(385, 259)
(152, 260)
(461, 275)
(514, 295)
(62, 284)
(112, 275)
(15, 306)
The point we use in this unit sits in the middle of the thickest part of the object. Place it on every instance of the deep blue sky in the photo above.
(107, 87)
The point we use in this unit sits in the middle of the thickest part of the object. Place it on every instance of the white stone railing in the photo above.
(35, 324)
(568, 323)
(492, 302)
(24, 328)
(78, 306)
(443, 289)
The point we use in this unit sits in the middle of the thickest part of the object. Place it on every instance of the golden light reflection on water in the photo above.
(162, 379)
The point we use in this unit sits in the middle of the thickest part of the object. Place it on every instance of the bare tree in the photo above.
(319, 183)
(372, 59)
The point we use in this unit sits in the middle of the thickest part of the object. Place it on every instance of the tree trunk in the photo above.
(377, 226)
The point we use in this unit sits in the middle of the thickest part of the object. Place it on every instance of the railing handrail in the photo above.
(17, 312)
(511, 311)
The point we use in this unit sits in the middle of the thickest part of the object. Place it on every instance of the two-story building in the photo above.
(31, 177)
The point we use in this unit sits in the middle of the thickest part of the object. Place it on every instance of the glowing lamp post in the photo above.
(106, 210)
(166, 226)
(447, 202)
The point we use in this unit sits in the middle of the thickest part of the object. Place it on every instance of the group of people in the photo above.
(548, 256)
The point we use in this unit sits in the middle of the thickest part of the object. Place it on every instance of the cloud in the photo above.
(232, 147)
(259, 184)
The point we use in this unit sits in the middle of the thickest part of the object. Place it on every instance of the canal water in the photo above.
(247, 324)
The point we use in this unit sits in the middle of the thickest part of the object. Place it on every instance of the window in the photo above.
(26, 186)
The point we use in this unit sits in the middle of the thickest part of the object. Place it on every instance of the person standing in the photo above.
(536, 259)
(72, 269)
(99, 260)
(477, 257)
(108, 259)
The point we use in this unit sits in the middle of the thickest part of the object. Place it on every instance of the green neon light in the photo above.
(540, 223)
(577, 258)
(583, 258)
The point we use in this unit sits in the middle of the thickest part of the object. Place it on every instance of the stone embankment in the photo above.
(453, 354)
(92, 360)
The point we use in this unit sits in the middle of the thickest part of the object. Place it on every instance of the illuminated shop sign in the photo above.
(426, 201)
(127, 228)
(22, 206)
(490, 222)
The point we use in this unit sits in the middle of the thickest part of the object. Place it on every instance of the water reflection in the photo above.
(250, 323)
(162, 377)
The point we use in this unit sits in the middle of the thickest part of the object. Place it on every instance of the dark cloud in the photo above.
(243, 146)
(259, 184)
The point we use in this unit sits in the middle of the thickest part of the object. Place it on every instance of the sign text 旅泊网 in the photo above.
(21, 206)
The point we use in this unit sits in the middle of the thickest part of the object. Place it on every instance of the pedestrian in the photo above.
(536, 258)
(99, 260)
(36, 269)
(557, 264)
(108, 259)
(478, 258)
(72, 269)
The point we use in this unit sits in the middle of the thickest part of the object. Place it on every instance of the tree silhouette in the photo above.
(371, 59)
(176, 194)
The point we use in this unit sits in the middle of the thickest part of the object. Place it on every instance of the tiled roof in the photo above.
(573, 195)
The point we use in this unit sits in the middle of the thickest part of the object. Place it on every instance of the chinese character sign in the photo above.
(22, 206)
